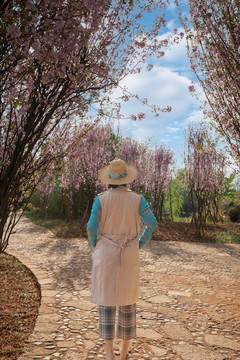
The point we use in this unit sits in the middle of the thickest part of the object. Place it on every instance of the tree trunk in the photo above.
(85, 217)
(170, 200)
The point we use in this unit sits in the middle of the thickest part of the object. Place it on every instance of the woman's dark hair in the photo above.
(112, 186)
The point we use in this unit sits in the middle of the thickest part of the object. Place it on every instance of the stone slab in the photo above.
(148, 333)
(177, 332)
(73, 355)
(80, 304)
(42, 327)
(86, 293)
(221, 341)
(67, 344)
(192, 352)
(49, 293)
(48, 319)
(160, 299)
(158, 351)
(143, 304)
(179, 293)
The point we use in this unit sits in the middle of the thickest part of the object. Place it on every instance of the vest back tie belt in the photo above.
(125, 242)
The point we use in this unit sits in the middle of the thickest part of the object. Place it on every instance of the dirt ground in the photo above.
(19, 304)
(188, 308)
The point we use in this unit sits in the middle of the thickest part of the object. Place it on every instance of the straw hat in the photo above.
(117, 173)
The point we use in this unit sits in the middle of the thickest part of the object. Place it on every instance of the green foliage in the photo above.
(237, 183)
(59, 227)
(31, 208)
(230, 191)
(234, 213)
(175, 196)
(186, 206)
(222, 237)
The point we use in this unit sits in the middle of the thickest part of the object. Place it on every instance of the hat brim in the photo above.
(131, 176)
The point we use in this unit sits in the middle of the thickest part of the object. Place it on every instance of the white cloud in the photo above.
(164, 87)
(143, 133)
(172, 129)
(195, 117)
(171, 24)
(172, 5)
(175, 57)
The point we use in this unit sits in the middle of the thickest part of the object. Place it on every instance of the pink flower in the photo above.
(167, 109)
(191, 88)
(149, 67)
(133, 117)
(101, 112)
(141, 116)
(125, 98)
(140, 44)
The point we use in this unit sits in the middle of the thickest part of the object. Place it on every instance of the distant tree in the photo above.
(72, 183)
(160, 162)
(174, 198)
(205, 175)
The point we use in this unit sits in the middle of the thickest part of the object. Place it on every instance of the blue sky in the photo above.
(167, 84)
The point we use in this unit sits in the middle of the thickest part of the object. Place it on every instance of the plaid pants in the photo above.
(126, 322)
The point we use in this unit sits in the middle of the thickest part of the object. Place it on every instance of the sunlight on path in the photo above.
(188, 309)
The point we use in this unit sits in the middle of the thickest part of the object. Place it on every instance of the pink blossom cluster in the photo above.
(99, 145)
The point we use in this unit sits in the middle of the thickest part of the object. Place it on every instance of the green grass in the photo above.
(59, 227)
(217, 235)
(224, 238)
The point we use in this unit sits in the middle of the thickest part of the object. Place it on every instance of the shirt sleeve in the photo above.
(93, 226)
(149, 221)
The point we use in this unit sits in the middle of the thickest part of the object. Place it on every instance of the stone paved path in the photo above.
(188, 309)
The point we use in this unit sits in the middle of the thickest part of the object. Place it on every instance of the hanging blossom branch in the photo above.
(213, 34)
(154, 48)
(127, 95)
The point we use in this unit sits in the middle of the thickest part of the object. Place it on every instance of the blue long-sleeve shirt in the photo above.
(93, 227)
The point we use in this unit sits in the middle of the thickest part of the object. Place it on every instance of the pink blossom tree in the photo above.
(160, 162)
(77, 173)
(213, 34)
(82, 165)
(58, 58)
(205, 170)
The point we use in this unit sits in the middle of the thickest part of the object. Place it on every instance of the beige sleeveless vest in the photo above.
(115, 266)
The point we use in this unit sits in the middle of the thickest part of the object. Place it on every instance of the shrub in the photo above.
(234, 213)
